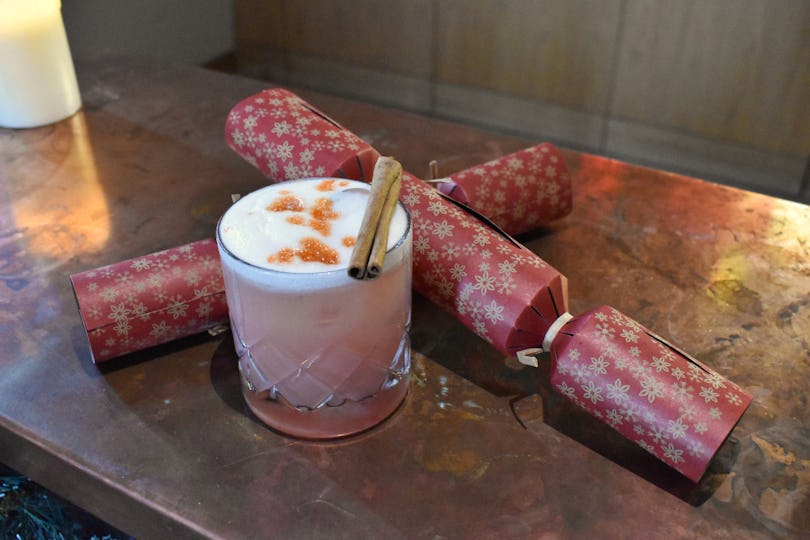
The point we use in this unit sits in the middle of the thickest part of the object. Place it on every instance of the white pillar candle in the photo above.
(37, 79)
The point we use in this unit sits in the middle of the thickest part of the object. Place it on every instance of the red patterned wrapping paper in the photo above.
(668, 403)
(145, 301)
(496, 287)
(518, 192)
(285, 138)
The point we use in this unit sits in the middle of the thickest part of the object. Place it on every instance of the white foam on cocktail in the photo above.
(252, 233)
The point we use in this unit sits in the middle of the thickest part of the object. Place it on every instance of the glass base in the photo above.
(327, 422)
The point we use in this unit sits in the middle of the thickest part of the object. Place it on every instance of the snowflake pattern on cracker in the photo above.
(145, 301)
(287, 138)
(668, 403)
(518, 192)
(497, 288)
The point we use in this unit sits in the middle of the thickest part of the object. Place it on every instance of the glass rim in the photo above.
(224, 248)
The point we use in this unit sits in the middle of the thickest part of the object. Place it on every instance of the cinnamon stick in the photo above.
(387, 172)
(380, 246)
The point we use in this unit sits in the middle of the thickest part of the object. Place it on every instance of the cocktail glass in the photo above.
(321, 355)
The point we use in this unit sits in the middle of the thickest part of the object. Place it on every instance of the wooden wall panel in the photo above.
(732, 70)
(715, 88)
(551, 50)
(380, 34)
(260, 22)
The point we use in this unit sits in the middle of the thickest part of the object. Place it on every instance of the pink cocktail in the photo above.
(321, 355)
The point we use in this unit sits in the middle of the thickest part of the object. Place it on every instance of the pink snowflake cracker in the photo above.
(149, 300)
(643, 393)
(291, 136)
(518, 192)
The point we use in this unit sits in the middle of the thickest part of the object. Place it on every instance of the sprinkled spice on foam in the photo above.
(285, 255)
(286, 202)
(310, 250)
(313, 250)
(320, 225)
(326, 185)
(322, 212)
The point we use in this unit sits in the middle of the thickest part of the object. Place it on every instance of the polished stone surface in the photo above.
(160, 444)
